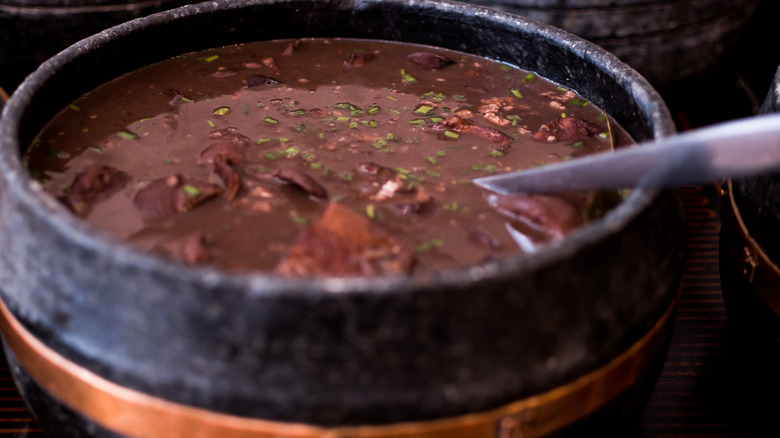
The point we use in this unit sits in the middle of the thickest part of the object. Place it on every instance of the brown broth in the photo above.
(323, 119)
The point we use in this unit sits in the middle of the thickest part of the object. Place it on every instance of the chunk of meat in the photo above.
(90, 185)
(356, 61)
(301, 180)
(344, 243)
(554, 215)
(165, 197)
(260, 81)
(462, 126)
(228, 176)
(229, 144)
(428, 60)
(192, 250)
(566, 129)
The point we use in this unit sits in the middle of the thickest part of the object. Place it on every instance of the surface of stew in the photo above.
(320, 157)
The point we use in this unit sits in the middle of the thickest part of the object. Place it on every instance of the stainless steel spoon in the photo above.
(730, 149)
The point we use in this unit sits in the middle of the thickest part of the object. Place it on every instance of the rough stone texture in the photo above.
(758, 197)
(337, 351)
(664, 40)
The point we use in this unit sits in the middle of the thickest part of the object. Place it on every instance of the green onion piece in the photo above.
(212, 58)
(394, 112)
(402, 171)
(433, 174)
(298, 112)
(578, 145)
(390, 136)
(423, 109)
(373, 109)
(221, 111)
(451, 134)
(343, 119)
(441, 153)
(74, 107)
(505, 67)
(516, 93)
(300, 220)
(321, 135)
(432, 160)
(392, 98)
(346, 176)
(495, 153)
(128, 135)
(530, 77)
(353, 125)
(315, 166)
(436, 119)
(263, 140)
(379, 144)
(301, 127)
(407, 77)
(292, 151)
(192, 190)
(212, 124)
(186, 99)
(271, 120)
(271, 155)
(417, 122)
(371, 211)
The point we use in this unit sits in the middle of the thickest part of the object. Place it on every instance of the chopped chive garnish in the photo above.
(602, 117)
(321, 135)
(353, 124)
(74, 107)
(392, 98)
(298, 112)
(221, 111)
(271, 120)
(441, 153)
(271, 155)
(516, 93)
(458, 97)
(407, 77)
(390, 136)
(562, 88)
(394, 112)
(371, 211)
(343, 119)
(505, 67)
(423, 109)
(451, 134)
(292, 151)
(263, 140)
(433, 174)
(346, 176)
(192, 190)
(495, 153)
(128, 135)
(530, 77)
(580, 103)
(169, 160)
(212, 124)
(432, 160)
(95, 149)
(379, 144)
(436, 119)
(373, 109)
(578, 145)
(417, 122)
(186, 99)
(402, 171)
(300, 220)
(211, 58)
(301, 127)
(315, 166)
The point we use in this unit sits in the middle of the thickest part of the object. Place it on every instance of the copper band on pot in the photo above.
(138, 415)
(752, 262)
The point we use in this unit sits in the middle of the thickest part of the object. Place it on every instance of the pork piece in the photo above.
(227, 174)
(165, 197)
(372, 168)
(421, 203)
(566, 129)
(301, 180)
(192, 250)
(553, 215)
(90, 185)
(463, 126)
(229, 144)
(357, 61)
(260, 81)
(431, 61)
(344, 243)
(493, 109)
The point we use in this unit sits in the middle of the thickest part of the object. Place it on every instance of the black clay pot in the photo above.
(750, 248)
(527, 344)
(33, 30)
(664, 40)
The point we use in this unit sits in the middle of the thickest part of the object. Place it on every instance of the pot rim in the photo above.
(17, 181)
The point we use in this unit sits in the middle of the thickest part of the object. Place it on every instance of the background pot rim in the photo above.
(16, 180)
